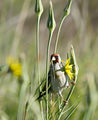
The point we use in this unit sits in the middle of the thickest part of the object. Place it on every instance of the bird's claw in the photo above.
(65, 102)
(73, 82)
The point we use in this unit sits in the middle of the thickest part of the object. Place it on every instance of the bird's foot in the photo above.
(65, 102)
(73, 82)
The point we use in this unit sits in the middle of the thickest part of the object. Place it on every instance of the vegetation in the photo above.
(25, 48)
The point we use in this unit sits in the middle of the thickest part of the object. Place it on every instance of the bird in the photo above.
(57, 80)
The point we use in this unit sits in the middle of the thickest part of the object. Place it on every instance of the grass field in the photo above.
(18, 46)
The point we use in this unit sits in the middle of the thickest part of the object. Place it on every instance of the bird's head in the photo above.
(55, 58)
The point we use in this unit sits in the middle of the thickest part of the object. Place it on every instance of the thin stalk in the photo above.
(37, 55)
(70, 92)
(37, 47)
(75, 71)
(25, 115)
(38, 11)
(68, 116)
(58, 33)
(66, 13)
(69, 108)
(26, 107)
(47, 62)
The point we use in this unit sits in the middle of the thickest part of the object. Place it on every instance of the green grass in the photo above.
(19, 40)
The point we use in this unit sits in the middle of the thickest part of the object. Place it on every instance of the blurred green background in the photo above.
(18, 39)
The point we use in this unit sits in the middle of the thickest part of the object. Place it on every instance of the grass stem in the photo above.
(66, 13)
(38, 11)
(37, 55)
(58, 33)
(37, 47)
(51, 26)
(47, 62)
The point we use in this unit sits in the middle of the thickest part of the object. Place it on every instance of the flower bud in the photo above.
(73, 61)
(51, 24)
(67, 8)
(38, 7)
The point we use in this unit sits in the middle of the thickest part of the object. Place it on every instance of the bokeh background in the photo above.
(18, 39)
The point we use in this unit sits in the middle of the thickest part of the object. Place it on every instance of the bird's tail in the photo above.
(41, 95)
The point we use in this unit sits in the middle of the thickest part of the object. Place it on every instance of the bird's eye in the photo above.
(57, 58)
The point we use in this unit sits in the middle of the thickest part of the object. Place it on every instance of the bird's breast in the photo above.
(59, 82)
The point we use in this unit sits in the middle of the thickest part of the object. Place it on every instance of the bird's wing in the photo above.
(61, 65)
(50, 74)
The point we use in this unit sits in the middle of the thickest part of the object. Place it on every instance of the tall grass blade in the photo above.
(68, 116)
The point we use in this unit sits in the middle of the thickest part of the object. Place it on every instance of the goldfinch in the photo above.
(57, 81)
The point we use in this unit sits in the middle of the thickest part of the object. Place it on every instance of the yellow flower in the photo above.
(14, 66)
(68, 69)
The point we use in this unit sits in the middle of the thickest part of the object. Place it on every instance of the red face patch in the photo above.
(56, 56)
